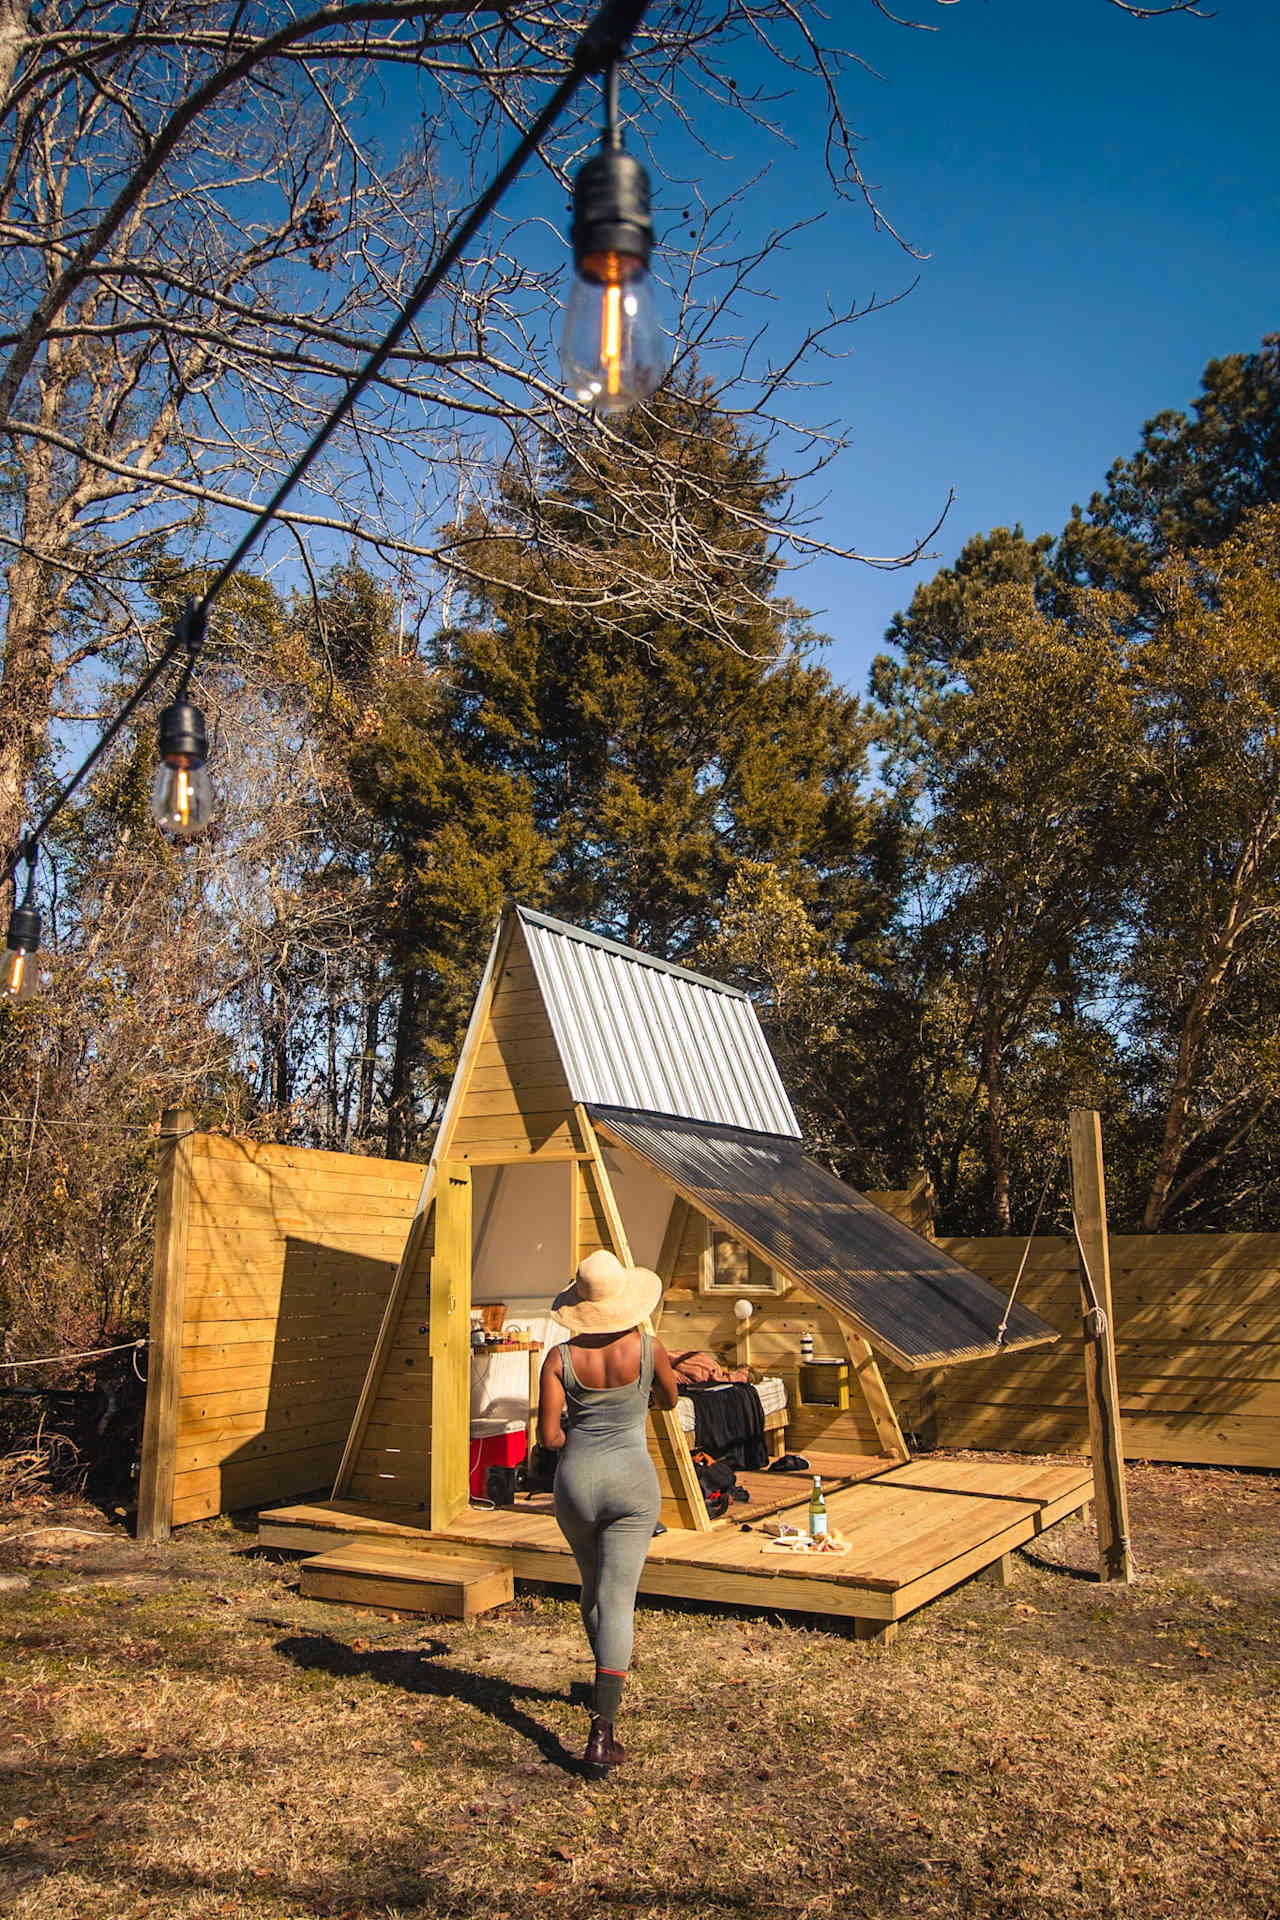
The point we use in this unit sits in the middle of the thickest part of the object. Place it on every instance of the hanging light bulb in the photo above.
(612, 352)
(182, 793)
(18, 969)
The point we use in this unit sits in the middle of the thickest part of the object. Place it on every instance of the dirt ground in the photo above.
(182, 1735)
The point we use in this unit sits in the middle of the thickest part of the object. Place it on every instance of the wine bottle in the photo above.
(817, 1510)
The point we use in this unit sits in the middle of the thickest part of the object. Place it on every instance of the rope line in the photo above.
(1097, 1312)
(1003, 1329)
(94, 1353)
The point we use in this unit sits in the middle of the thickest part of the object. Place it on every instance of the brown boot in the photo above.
(602, 1751)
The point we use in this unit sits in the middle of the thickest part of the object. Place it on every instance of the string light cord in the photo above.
(124, 1128)
(600, 46)
(188, 634)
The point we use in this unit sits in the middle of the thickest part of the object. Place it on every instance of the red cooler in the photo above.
(494, 1443)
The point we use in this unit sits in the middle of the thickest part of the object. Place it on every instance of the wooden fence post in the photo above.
(1111, 1500)
(168, 1306)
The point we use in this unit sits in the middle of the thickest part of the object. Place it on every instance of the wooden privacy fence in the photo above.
(1197, 1331)
(273, 1266)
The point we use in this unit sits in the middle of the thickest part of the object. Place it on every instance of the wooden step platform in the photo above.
(915, 1531)
(394, 1574)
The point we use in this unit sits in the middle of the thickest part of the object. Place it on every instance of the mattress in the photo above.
(771, 1390)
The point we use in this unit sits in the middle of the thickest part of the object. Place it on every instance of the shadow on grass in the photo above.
(1042, 1563)
(419, 1670)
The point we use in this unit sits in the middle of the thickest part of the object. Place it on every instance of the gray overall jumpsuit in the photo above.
(607, 1502)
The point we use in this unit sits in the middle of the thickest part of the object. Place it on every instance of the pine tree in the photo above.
(660, 746)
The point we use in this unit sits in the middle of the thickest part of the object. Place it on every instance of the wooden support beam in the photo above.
(742, 1340)
(482, 1231)
(672, 1241)
(449, 1344)
(535, 1391)
(878, 1633)
(866, 1371)
(168, 1308)
(1000, 1572)
(669, 1435)
(1115, 1561)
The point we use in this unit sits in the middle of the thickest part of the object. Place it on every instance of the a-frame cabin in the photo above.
(607, 1098)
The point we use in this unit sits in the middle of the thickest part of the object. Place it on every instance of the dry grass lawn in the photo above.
(182, 1735)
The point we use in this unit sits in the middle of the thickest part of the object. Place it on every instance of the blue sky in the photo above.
(1097, 197)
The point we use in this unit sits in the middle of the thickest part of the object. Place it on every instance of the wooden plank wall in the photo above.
(517, 1103)
(913, 1205)
(1197, 1353)
(290, 1255)
(393, 1463)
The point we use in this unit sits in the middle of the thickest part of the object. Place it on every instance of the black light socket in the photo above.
(183, 741)
(24, 930)
(611, 212)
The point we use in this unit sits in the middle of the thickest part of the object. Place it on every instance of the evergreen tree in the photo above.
(1192, 480)
(1014, 764)
(658, 750)
(944, 624)
(425, 842)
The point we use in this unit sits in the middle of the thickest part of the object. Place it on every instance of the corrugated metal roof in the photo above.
(639, 1033)
(911, 1300)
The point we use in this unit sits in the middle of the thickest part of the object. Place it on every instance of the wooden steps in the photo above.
(379, 1573)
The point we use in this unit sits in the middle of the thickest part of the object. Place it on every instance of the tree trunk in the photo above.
(368, 1059)
(1190, 1041)
(331, 1061)
(401, 1131)
(26, 687)
(997, 1150)
(37, 595)
(13, 39)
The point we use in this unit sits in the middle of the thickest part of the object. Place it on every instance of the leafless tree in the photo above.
(204, 225)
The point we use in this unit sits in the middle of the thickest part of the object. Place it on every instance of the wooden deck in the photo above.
(917, 1530)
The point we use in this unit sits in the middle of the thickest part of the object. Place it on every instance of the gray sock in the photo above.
(607, 1702)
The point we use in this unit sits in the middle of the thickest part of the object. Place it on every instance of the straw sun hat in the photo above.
(607, 1297)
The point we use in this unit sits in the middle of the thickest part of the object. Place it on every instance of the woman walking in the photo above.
(594, 1398)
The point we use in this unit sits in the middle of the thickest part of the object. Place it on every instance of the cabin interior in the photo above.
(531, 1224)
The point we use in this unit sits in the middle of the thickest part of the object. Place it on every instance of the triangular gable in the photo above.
(511, 1098)
(908, 1297)
(509, 1103)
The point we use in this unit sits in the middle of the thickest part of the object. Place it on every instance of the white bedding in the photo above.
(772, 1392)
(500, 1381)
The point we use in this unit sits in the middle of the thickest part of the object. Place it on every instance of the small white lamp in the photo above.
(742, 1311)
